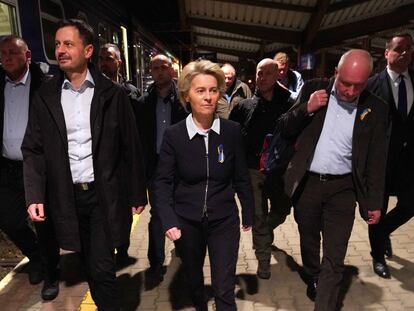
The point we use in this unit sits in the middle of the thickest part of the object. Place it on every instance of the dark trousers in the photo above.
(13, 221)
(221, 237)
(403, 212)
(96, 252)
(156, 235)
(13, 212)
(49, 249)
(326, 207)
(266, 218)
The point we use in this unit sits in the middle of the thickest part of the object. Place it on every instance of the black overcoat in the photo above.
(117, 160)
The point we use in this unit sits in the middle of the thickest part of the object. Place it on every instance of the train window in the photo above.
(124, 50)
(115, 38)
(82, 16)
(102, 34)
(51, 12)
(52, 8)
(8, 19)
(138, 62)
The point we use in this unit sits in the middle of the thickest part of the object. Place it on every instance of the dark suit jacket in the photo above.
(368, 145)
(181, 177)
(117, 160)
(400, 166)
(145, 114)
(37, 76)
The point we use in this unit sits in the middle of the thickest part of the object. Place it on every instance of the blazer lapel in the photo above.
(361, 120)
(319, 117)
(53, 102)
(410, 116)
(99, 99)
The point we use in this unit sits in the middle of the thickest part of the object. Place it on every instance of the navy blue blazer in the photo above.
(181, 176)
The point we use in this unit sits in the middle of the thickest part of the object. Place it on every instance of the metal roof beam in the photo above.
(223, 37)
(272, 5)
(183, 15)
(334, 36)
(337, 6)
(315, 21)
(241, 54)
(260, 32)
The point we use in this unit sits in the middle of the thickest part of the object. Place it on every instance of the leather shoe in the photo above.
(311, 289)
(388, 247)
(381, 269)
(50, 290)
(35, 272)
(263, 269)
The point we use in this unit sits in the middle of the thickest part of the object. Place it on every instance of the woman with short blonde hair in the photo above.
(201, 166)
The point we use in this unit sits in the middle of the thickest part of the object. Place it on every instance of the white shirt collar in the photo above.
(23, 80)
(88, 82)
(192, 129)
(395, 76)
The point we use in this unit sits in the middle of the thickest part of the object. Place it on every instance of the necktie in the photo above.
(402, 97)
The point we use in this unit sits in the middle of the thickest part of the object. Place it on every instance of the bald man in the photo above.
(258, 116)
(339, 160)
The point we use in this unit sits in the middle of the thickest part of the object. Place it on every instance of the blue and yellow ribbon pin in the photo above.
(220, 152)
(364, 113)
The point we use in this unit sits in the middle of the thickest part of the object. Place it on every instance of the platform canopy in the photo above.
(253, 29)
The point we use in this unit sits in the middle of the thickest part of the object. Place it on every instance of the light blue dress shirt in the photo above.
(76, 105)
(16, 115)
(333, 152)
(193, 130)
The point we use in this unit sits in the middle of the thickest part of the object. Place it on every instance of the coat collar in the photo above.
(51, 93)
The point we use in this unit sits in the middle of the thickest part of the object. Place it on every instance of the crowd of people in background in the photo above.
(83, 151)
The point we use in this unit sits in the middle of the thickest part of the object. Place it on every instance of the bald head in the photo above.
(162, 58)
(352, 73)
(266, 76)
(15, 56)
(161, 70)
(268, 63)
(357, 59)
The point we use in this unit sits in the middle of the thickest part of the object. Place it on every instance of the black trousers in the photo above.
(13, 221)
(389, 222)
(266, 218)
(221, 238)
(96, 252)
(156, 235)
(326, 207)
(49, 249)
(13, 211)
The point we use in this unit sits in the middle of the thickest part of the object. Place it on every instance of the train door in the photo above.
(9, 20)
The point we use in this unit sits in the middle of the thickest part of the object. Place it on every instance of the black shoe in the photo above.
(35, 272)
(50, 290)
(381, 269)
(311, 289)
(263, 269)
(388, 247)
